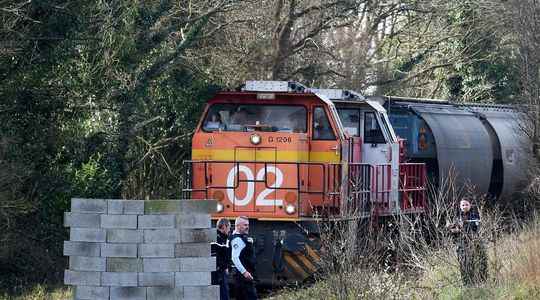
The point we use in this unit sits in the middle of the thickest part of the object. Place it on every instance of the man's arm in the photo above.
(220, 249)
(237, 245)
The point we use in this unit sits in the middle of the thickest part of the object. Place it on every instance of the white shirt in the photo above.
(237, 245)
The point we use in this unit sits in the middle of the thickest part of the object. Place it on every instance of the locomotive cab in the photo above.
(377, 153)
(374, 144)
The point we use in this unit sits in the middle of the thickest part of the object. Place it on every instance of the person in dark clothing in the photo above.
(470, 250)
(222, 252)
(243, 257)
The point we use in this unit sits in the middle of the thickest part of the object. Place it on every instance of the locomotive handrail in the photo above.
(368, 186)
(412, 186)
(237, 163)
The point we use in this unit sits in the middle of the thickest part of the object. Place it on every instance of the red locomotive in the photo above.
(288, 157)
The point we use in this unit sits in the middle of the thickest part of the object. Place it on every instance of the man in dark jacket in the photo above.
(222, 252)
(243, 257)
(470, 249)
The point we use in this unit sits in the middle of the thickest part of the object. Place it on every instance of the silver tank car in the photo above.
(484, 146)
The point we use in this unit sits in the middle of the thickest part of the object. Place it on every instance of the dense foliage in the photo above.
(96, 102)
(99, 98)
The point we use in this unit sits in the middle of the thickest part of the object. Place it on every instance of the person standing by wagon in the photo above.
(222, 252)
(243, 257)
(470, 250)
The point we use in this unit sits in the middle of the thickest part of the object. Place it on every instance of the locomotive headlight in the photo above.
(255, 139)
(219, 207)
(290, 209)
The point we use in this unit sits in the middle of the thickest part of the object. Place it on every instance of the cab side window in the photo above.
(321, 126)
(372, 131)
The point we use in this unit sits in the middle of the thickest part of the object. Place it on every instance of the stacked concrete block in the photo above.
(140, 249)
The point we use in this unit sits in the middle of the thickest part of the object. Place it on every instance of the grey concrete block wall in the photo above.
(140, 249)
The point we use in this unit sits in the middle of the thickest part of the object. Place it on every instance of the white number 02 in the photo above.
(261, 198)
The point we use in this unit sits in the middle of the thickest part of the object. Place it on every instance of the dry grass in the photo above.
(518, 256)
(362, 284)
(514, 272)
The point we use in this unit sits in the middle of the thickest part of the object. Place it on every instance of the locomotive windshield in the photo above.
(375, 125)
(256, 117)
(350, 117)
(372, 131)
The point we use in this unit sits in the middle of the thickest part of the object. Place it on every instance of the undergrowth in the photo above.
(514, 273)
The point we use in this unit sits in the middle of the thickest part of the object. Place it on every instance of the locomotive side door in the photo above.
(324, 152)
(380, 149)
(376, 152)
